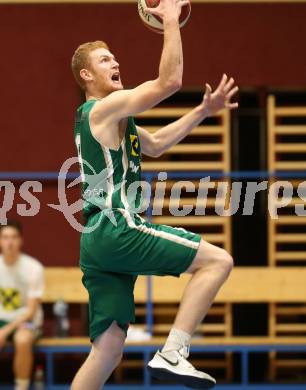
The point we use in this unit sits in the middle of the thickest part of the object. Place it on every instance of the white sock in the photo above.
(22, 384)
(176, 340)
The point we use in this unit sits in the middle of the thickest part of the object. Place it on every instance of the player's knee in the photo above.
(23, 339)
(112, 343)
(114, 354)
(117, 357)
(224, 261)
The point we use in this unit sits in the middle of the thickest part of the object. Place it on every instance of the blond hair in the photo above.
(80, 59)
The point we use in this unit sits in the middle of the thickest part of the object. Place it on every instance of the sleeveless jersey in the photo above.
(110, 178)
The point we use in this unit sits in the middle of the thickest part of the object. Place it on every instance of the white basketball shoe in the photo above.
(174, 366)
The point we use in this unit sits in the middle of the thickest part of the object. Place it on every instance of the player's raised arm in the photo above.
(123, 103)
(156, 144)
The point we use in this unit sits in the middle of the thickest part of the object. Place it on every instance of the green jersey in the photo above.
(110, 178)
(121, 245)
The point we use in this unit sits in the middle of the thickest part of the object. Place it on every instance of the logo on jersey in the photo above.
(135, 145)
(134, 167)
(10, 299)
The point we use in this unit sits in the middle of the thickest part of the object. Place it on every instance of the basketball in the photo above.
(154, 22)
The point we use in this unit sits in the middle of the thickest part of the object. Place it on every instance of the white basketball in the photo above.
(155, 23)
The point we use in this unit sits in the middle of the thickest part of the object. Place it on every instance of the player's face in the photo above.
(10, 241)
(105, 71)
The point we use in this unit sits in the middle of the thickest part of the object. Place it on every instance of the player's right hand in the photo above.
(168, 9)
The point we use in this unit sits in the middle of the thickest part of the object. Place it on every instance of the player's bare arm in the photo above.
(123, 103)
(156, 144)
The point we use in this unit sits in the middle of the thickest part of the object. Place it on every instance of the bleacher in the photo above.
(206, 148)
(246, 285)
(287, 238)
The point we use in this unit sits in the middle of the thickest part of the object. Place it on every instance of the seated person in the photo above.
(21, 290)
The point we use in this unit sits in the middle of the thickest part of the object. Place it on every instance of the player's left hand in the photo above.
(220, 98)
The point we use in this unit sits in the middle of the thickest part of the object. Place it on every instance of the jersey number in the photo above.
(78, 145)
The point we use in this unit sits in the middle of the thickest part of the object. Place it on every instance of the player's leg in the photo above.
(111, 304)
(210, 269)
(104, 357)
(23, 357)
(140, 247)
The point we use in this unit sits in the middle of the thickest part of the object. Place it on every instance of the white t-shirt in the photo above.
(18, 283)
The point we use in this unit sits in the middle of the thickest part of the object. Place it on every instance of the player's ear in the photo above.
(86, 74)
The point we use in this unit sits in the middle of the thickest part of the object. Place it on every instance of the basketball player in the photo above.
(21, 290)
(118, 250)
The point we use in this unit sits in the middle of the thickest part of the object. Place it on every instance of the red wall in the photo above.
(259, 44)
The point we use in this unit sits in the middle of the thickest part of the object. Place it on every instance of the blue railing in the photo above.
(150, 175)
(147, 351)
